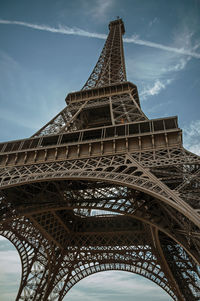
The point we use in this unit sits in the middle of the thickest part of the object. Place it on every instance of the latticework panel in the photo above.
(117, 169)
(187, 273)
(53, 208)
(48, 273)
(110, 67)
(116, 109)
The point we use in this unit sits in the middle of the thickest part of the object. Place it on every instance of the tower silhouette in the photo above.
(101, 187)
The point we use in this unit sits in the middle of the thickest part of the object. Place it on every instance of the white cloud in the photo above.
(179, 65)
(10, 270)
(114, 285)
(99, 9)
(155, 89)
(155, 70)
(191, 137)
(194, 129)
(10, 262)
(154, 21)
(194, 148)
(183, 51)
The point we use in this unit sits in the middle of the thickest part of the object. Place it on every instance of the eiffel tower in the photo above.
(101, 187)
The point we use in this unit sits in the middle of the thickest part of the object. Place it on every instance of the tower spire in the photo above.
(110, 67)
(106, 98)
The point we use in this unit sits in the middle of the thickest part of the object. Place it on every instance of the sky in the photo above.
(48, 48)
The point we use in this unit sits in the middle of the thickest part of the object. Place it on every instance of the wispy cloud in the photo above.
(155, 70)
(10, 270)
(136, 40)
(61, 29)
(191, 135)
(154, 21)
(99, 9)
(177, 66)
(78, 31)
(116, 286)
(10, 262)
(158, 85)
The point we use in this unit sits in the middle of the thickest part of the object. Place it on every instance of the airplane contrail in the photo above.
(77, 31)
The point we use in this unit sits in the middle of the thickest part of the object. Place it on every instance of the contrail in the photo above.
(80, 32)
(61, 29)
(183, 51)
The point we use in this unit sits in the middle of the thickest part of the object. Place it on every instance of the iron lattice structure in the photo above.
(101, 187)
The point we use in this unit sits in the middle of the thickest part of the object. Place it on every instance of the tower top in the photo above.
(118, 22)
(110, 68)
(107, 98)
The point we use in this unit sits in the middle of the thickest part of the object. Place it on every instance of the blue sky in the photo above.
(48, 49)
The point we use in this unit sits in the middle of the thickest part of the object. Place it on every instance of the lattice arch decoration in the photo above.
(141, 261)
(135, 209)
(135, 177)
(97, 268)
(129, 175)
(32, 252)
(28, 252)
(83, 271)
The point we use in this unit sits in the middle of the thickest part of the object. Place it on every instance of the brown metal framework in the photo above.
(101, 187)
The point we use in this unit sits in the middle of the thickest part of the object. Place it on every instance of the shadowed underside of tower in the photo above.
(101, 187)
